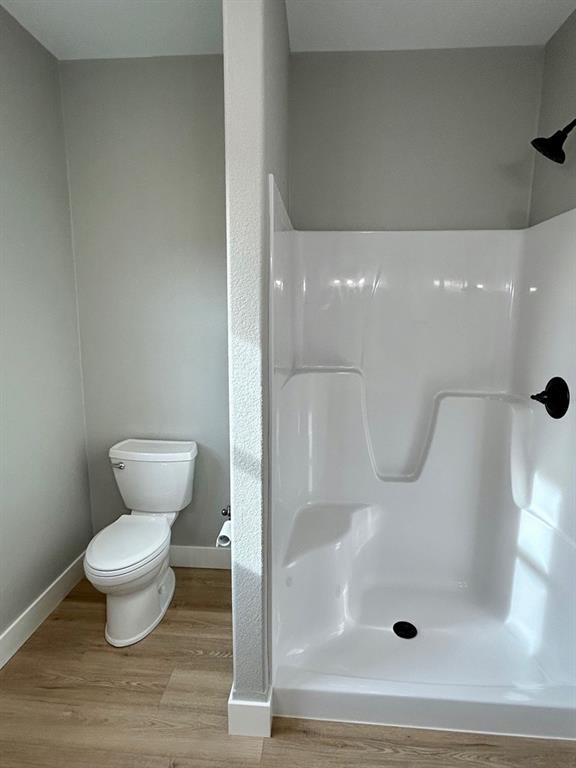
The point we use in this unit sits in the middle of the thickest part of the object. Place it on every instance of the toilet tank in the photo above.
(154, 475)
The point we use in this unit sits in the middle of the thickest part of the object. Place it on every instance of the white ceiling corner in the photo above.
(99, 29)
(381, 25)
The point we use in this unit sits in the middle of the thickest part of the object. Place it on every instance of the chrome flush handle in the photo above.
(118, 465)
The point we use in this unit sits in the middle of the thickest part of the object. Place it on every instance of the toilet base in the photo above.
(132, 616)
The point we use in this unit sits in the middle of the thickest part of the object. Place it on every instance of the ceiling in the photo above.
(387, 25)
(96, 29)
(107, 29)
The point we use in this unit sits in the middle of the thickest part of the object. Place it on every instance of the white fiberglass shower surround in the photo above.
(414, 480)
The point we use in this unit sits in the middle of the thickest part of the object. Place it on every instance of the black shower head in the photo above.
(552, 147)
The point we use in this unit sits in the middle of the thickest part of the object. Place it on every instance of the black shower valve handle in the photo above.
(555, 398)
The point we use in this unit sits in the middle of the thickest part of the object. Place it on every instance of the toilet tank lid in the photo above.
(154, 450)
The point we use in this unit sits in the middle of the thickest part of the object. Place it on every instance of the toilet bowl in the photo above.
(129, 560)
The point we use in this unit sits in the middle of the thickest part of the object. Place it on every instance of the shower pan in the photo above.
(423, 505)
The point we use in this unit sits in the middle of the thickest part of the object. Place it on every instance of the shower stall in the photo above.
(423, 506)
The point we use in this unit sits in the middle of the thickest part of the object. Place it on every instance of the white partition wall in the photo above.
(255, 83)
(414, 480)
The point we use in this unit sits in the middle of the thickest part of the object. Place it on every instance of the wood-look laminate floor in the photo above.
(67, 699)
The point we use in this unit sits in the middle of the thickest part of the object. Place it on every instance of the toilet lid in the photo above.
(129, 541)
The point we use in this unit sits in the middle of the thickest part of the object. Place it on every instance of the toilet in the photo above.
(129, 560)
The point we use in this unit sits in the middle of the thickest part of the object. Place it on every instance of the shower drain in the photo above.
(405, 630)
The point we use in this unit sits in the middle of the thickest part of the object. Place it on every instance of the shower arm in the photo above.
(570, 127)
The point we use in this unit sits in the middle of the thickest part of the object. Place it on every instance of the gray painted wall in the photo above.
(145, 144)
(45, 518)
(555, 185)
(413, 139)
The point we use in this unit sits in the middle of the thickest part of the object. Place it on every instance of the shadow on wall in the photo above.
(247, 464)
(517, 174)
(251, 677)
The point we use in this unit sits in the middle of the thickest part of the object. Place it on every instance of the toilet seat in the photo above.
(108, 580)
(128, 544)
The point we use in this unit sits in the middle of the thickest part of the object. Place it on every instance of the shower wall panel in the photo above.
(416, 313)
(543, 604)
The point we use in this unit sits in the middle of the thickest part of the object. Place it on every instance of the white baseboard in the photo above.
(199, 557)
(29, 620)
(248, 717)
